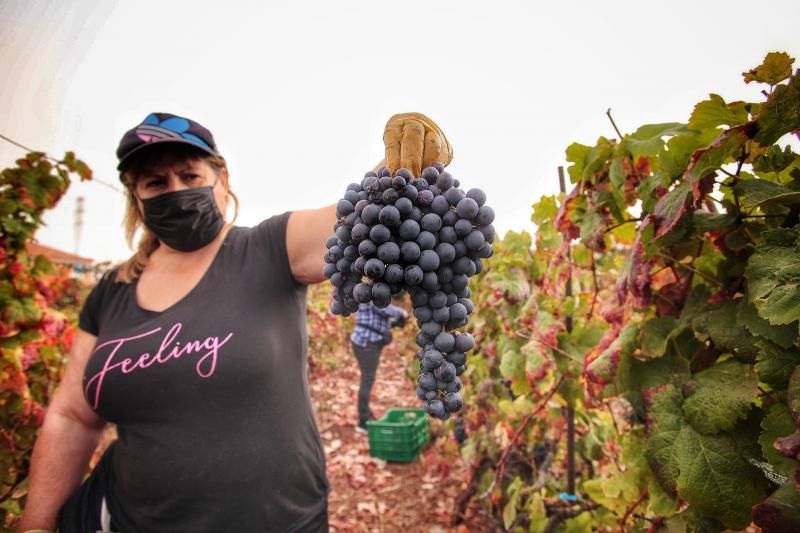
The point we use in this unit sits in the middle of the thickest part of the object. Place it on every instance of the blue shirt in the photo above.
(372, 323)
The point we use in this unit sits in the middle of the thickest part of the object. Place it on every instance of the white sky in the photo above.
(297, 94)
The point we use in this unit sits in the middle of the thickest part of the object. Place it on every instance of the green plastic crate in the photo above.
(399, 435)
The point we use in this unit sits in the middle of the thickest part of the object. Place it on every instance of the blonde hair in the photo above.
(132, 268)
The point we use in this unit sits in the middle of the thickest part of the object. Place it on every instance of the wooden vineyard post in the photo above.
(570, 411)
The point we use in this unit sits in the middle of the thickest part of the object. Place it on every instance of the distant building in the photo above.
(59, 257)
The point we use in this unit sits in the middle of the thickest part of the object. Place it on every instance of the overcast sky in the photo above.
(297, 94)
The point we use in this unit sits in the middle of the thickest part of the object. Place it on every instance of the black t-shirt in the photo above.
(210, 396)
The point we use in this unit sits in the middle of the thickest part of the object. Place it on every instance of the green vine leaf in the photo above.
(777, 66)
(775, 364)
(721, 395)
(715, 112)
(705, 470)
(783, 335)
(656, 332)
(648, 139)
(773, 276)
(778, 423)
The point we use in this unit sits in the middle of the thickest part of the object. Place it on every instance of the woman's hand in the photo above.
(413, 141)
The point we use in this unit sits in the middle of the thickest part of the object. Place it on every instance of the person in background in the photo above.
(373, 331)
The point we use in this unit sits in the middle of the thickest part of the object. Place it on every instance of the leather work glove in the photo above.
(413, 141)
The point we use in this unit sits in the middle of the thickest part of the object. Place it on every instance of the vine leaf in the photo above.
(773, 276)
(721, 395)
(780, 114)
(647, 140)
(758, 192)
(705, 470)
(782, 335)
(671, 208)
(777, 66)
(656, 332)
(778, 423)
(780, 512)
(775, 364)
(715, 112)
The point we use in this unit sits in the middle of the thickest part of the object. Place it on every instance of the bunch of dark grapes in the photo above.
(426, 236)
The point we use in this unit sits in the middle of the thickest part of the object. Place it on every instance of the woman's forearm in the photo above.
(60, 458)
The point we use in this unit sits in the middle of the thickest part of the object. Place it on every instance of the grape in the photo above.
(428, 260)
(453, 402)
(389, 252)
(446, 252)
(359, 232)
(426, 240)
(381, 292)
(380, 234)
(457, 358)
(413, 275)
(410, 252)
(362, 293)
(409, 229)
(342, 233)
(424, 198)
(404, 207)
(405, 173)
(430, 282)
(394, 273)
(423, 313)
(444, 181)
(329, 269)
(453, 196)
(367, 248)
(431, 329)
(410, 192)
(440, 206)
(343, 208)
(358, 264)
(464, 342)
(467, 208)
(458, 312)
(433, 358)
(437, 300)
(430, 174)
(428, 237)
(374, 268)
(478, 195)
(431, 222)
(445, 341)
(435, 408)
(485, 216)
(448, 234)
(445, 274)
(445, 372)
(441, 314)
(474, 240)
(369, 215)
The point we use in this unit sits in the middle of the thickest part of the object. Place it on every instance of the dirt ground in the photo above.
(372, 495)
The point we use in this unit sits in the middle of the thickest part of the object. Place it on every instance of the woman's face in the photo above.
(175, 175)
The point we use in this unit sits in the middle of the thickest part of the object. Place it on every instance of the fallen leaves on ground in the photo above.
(371, 495)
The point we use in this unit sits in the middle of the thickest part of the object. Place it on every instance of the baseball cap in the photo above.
(159, 128)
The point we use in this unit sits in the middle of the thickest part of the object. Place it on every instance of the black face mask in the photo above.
(185, 220)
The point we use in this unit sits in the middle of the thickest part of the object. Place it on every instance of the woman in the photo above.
(196, 349)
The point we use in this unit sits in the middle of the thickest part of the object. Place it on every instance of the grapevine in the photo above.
(683, 365)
